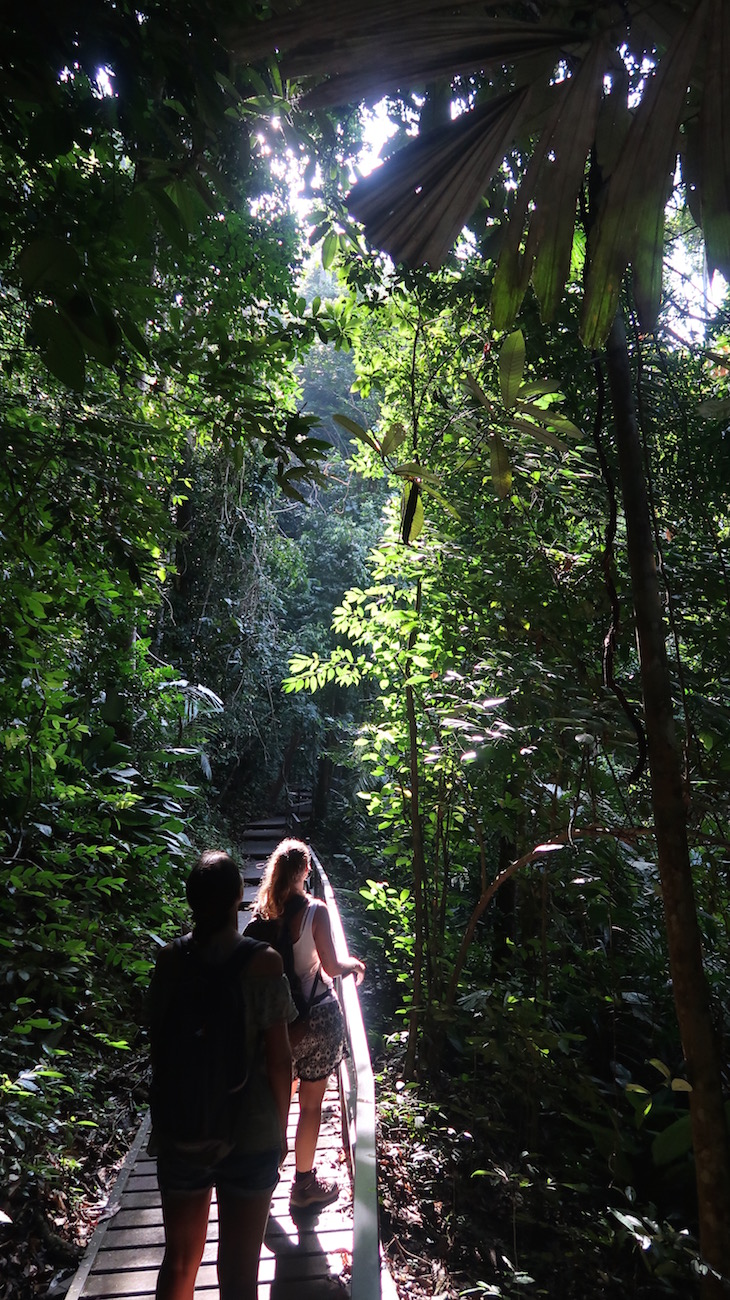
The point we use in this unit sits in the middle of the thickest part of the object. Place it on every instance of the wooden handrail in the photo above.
(357, 1099)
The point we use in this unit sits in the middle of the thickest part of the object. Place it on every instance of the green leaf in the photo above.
(330, 244)
(511, 366)
(442, 500)
(60, 347)
(477, 391)
(500, 467)
(674, 1142)
(96, 325)
(550, 419)
(538, 388)
(49, 261)
(134, 335)
(411, 469)
(412, 518)
(541, 435)
(661, 1067)
(356, 430)
(394, 438)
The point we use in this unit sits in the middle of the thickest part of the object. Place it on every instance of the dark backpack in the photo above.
(277, 934)
(200, 1055)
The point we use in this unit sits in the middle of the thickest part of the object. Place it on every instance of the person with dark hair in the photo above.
(282, 895)
(221, 1085)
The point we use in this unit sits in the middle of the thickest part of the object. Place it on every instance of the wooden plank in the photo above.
(280, 1243)
(304, 1255)
(140, 1280)
(115, 1199)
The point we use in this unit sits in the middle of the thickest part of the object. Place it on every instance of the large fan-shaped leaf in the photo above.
(415, 205)
(365, 50)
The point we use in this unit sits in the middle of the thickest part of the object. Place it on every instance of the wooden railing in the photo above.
(370, 1280)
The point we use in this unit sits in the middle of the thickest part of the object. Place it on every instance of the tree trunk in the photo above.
(691, 994)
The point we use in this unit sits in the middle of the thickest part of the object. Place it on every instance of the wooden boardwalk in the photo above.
(303, 1258)
(306, 1257)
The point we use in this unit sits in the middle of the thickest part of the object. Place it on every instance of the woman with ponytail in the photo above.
(282, 896)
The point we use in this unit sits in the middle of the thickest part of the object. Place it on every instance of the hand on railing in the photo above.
(353, 966)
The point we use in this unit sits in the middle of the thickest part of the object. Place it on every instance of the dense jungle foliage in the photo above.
(269, 525)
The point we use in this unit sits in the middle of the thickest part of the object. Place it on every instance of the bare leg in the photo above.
(311, 1096)
(186, 1225)
(241, 1226)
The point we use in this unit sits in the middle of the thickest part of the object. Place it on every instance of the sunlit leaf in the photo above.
(511, 367)
(330, 245)
(501, 469)
(394, 438)
(411, 513)
(411, 469)
(550, 419)
(541, 435)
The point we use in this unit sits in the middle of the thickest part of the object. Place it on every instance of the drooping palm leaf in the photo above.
(631, 221)
(552, 223)
(416, 204)
(714, 183)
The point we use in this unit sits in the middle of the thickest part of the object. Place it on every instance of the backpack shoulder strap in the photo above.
(242, 954)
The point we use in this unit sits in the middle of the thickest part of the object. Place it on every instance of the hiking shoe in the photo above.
(312, 1192)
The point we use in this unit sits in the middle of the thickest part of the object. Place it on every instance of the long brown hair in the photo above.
(285, 865)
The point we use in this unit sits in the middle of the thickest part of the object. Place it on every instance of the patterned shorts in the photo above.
(323, 1045)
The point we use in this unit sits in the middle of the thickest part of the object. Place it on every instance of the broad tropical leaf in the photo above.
(411, 513)
(394, 438)
(500, 467)
(356, 430)
(511, 367)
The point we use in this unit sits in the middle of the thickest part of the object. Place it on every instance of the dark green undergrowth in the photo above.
(541, 1147)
